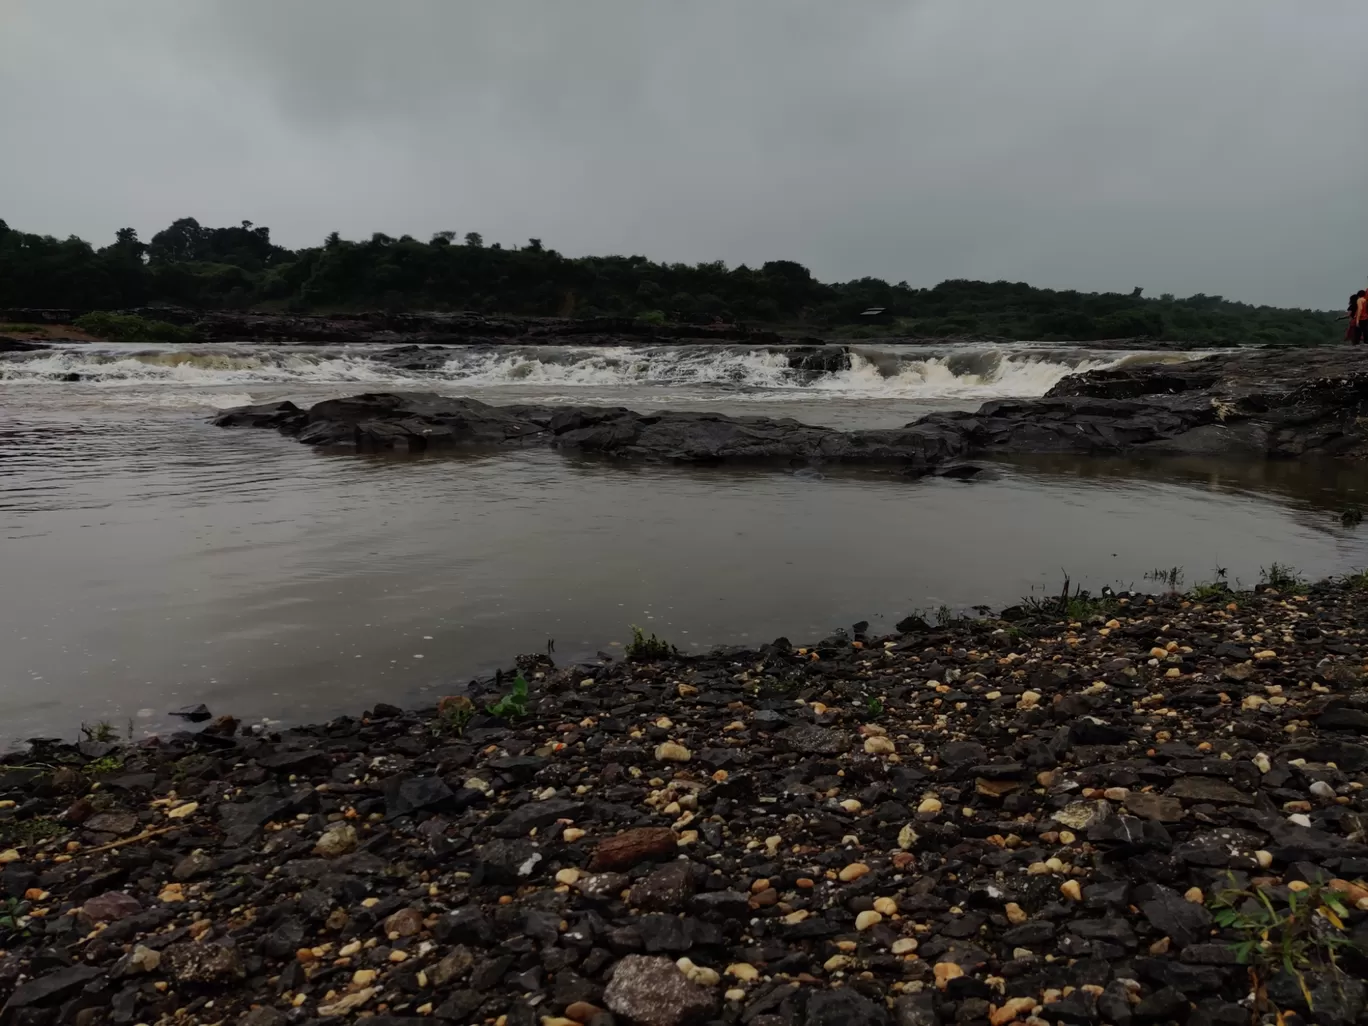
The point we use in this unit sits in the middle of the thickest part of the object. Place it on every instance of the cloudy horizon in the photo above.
(1215, 147)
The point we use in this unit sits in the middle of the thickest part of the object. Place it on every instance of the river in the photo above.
(151, 560)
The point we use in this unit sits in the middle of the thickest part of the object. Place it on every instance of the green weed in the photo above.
(1304, 937)
(102, 731)
(514, 704)
(1170, 578)
(874, 707)
(17, 832)
(22, 329)
(102, 767)
(643, 649)
(453, 714)
(1281, 577)
(1214, 591)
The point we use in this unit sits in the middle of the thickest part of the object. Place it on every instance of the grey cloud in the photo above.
(1213, 147)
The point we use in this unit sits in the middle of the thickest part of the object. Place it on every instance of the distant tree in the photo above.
(534, 245)
(474, 240)
(333, 239)
(442, 238)
(1135, 292)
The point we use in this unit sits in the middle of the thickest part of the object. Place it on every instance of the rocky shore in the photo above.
(1127, 810)
(1271, 404)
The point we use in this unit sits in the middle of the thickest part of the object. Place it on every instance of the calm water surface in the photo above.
(151, 560)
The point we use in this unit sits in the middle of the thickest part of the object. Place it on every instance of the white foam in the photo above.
(890, 373)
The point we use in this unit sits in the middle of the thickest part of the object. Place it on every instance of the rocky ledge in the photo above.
(1266, 404)
(1128, 811)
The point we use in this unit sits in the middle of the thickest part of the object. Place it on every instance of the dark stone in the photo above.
(916, 1010)
(1186, 922)
(537, 816)
(1163, 1006)
(844, 1007)
(666, 889)
(812, 740)
(511, 861)
(1210, 789)
(51, 987)
(193, 713)
(405, 795)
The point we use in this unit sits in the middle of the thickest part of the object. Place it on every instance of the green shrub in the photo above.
(117, 327)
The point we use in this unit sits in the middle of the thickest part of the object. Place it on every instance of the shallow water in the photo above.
(151, 560)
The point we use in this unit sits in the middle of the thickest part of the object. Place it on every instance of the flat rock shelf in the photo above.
(1089, 811)
(1266, 404)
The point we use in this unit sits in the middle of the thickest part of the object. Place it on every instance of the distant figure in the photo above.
(1358, 318)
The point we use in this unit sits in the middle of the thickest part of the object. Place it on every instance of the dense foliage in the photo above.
(239, 268)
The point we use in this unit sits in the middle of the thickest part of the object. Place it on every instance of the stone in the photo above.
(405, 923)
(339, 839)
(190, 962)
(916, 1010)
(1157, 807)
(632, 847)
(667, 889)
(1211, 790)
(537, 816)
(844, 1007)
(50, 988)
(1186, 922)
(1081, 815)
(511, 860)
(652, 991)
(405, 795)
(670, 751)
(111, 906)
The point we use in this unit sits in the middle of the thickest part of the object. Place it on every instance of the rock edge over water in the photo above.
(988, 821)
(1267, 404)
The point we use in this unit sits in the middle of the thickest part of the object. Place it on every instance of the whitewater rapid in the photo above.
(892, 372)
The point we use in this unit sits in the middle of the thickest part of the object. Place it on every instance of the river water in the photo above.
(150, 560)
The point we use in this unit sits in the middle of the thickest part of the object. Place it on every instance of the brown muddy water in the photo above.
(150, 560)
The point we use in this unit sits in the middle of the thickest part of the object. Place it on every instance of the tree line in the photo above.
(237, 268)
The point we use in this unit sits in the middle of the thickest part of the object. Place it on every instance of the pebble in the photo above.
(879, 746)
(865, 920)
(930, 806)
(904, 946)
(853, 872)
(743, 971)
(670, 751)
(1072, 890)
(885, 906)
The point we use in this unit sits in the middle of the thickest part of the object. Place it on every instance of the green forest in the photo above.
(240, 268)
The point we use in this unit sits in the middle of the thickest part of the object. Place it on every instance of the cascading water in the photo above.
(885, 373)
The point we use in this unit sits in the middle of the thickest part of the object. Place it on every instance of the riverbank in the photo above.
(956, 823)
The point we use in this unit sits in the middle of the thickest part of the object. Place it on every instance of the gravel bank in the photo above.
(1030, 819)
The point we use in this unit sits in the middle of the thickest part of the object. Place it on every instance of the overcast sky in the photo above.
(1216, 146)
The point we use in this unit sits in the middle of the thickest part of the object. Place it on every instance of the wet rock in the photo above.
(538, 815)
(339, 839)
(814, 740)
(666, 889)
(1161, 808)
(405, 795)
(194, 713)
(511, 861)
(651, 991)
(916, 1010)
(191, 962)
(49, 988)
(632, 847)
(844, 1008)
(1209, 789)
(1176, 917)
(111, 906)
